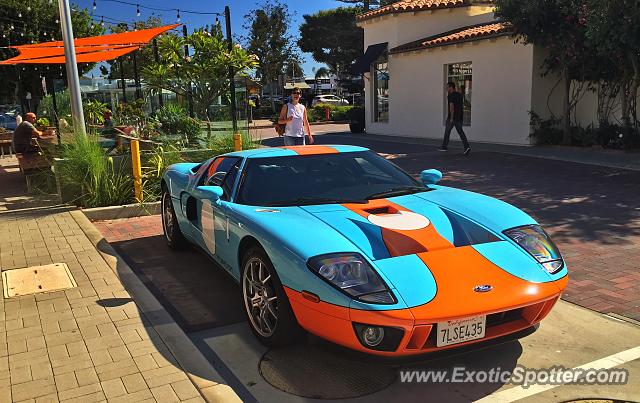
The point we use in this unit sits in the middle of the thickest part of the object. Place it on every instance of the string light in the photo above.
(178, 15)
(102, 21)
(138, 10)
(94, 4)
(19, 14)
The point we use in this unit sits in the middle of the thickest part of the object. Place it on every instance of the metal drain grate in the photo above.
(310, 371)
(36, 279)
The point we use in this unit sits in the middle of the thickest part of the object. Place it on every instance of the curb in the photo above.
(208, 381)
(126, 211)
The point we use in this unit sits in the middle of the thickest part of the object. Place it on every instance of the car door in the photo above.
(208, 218)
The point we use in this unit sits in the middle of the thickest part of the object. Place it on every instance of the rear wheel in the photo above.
(170, 226)
(266, 305)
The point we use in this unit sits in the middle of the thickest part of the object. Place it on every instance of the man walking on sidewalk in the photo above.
(454, 118)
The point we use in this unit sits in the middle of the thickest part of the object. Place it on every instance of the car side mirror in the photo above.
(213, 193)
(431, 176)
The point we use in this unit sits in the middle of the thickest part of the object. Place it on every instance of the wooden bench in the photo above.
(5, 148)
(32, 164)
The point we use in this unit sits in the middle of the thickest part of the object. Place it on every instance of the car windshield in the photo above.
(351, 177)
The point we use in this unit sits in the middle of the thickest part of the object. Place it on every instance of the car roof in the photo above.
(273, 152)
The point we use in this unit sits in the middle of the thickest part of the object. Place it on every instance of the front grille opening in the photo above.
(503, 317)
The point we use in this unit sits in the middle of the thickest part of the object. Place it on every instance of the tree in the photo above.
(269, 39)
(559, 26)
(333, 38)
(206, 70)
(614, 30)
(35, 21)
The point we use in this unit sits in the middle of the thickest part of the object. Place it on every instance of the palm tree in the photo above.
(320, 73)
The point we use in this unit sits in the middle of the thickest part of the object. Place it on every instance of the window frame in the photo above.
(205, 178)
(464, 90)
(383, 59)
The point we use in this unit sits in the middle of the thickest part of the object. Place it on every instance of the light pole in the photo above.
(72, 66)
(232, 83)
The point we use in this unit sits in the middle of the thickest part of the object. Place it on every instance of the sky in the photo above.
(239, 8)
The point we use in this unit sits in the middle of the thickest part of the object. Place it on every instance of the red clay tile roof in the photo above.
(465, 34)
(416, 5)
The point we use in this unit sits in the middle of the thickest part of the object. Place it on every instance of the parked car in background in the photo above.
(8, 118)
(329, 99)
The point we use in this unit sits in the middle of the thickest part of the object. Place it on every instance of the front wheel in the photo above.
(266, 305)
(170, 225)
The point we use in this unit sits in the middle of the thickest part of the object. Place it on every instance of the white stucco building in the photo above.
(414, 47)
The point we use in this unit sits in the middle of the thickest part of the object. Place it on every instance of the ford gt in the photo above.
(339, 242)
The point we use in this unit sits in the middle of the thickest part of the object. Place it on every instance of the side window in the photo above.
(217, 172)
(230, 180)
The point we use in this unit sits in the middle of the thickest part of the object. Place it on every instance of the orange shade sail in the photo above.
(88, 50)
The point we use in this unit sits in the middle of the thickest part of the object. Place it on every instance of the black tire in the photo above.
(170, 227)
(285, 330)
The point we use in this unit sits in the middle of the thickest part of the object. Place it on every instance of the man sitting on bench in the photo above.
(23, 134)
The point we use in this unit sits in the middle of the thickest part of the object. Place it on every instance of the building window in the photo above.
(381, 89)
(460, 74)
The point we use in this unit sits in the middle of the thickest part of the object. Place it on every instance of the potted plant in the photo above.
(356, 119)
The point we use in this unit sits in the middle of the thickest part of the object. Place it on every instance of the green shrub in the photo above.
(174, 121)
(97, 181)
(355, 114)
(545, 131)
(335, 112)
(44, 122)
(222, 143)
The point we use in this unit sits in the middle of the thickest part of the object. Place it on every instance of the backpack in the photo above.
(280, 128)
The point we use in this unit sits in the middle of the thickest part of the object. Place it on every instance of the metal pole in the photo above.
(56, 123)
(136, 76)
(72, 66)
(186, 54)
(156, 56)
(232, 84)
(122, 81)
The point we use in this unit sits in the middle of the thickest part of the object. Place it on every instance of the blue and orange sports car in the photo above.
(339, 242)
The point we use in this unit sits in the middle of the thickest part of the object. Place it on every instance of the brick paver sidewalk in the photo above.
(88, 343)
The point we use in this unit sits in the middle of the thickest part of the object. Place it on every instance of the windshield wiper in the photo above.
(398, 191)
(301, 201)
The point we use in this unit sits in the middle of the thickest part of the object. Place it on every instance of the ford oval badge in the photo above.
(483, 288)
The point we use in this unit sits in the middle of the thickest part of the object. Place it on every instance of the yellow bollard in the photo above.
(137, 169)
(237, 142)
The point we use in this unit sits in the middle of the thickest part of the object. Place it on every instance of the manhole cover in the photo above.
(35, 279)
(310, 371)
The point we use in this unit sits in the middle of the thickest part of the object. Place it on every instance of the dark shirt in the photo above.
(22, 136)
(455, 98)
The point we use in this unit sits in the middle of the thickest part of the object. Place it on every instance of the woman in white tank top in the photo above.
(294, 116)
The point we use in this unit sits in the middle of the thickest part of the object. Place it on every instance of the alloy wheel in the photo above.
(260, 298)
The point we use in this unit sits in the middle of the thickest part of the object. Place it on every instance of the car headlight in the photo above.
(535, 240)
(351, 274)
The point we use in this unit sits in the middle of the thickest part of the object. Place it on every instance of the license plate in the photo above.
(460, 330)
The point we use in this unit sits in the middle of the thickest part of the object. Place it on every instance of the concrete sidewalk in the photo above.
(107, 338)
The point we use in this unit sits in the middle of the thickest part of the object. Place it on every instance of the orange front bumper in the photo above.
(335, 323)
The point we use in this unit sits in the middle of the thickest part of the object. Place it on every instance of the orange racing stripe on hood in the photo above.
(458, 271)
(400, 242)
(311, 150)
